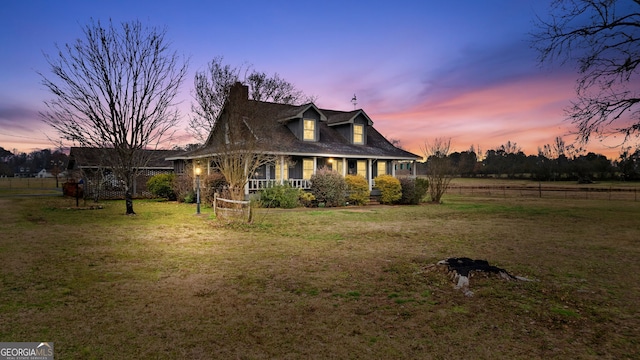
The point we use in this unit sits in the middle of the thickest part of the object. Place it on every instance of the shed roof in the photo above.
(90, 157)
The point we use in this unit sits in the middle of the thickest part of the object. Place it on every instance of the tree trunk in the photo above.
(129, 201)
(128, 196)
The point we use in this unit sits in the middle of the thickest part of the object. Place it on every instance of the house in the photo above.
(300, 139)
(90, 165)
(44, 174)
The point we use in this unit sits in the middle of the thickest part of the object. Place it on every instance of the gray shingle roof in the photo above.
(275, 137)
(88, 157)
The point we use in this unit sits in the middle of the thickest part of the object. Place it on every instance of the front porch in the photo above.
(297, 170)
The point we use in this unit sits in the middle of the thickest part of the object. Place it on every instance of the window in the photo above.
(309, 132)
(362, 168)
(358, 134)
(307, 168)
(337, 166)
(382, 168)
(282, 170)
(178, 166)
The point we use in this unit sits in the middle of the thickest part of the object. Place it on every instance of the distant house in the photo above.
(302, 139)
(100, 181)
(44, 174)
(23, 172)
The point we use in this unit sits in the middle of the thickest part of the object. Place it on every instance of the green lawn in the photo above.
(348, 283)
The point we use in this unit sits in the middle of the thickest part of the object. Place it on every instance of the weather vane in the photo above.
(354, 101)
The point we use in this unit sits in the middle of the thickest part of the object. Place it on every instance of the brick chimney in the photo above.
(239, 92)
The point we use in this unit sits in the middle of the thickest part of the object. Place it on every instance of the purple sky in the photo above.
(420, 69)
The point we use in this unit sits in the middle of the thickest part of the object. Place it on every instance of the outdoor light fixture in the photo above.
(198, 170)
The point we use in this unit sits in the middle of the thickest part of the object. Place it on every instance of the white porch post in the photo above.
(315, 164)
(369, 172)
(282, 170)
(246, 173)
(413, 168)
(393, 168)
(344, 166)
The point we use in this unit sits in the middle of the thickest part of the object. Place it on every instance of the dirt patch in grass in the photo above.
(327, 283)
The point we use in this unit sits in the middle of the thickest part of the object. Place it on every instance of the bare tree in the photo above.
(603, 38)
(509, 148)
(211, 88)
(115, 89)
(439, 168)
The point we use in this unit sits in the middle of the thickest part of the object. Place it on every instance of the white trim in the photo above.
(327, 155)
(369, 173)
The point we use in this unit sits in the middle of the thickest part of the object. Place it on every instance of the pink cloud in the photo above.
(527, 111)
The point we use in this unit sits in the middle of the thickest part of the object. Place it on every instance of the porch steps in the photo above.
(374, 197)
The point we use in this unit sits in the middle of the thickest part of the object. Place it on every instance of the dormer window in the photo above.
(358, 134)
(309, 131)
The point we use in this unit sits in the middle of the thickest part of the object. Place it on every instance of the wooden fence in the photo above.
(541, 191)
(232, 209)
(29, 183)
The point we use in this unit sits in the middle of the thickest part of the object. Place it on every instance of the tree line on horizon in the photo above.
(20, 164)
(506, 160)
(500, 162)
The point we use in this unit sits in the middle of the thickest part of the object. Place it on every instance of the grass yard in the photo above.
(341, 283)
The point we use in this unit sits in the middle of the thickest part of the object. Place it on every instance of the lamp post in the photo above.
(198, 190)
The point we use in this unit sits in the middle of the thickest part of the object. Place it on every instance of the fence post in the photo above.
(215, 200)
(540, 189)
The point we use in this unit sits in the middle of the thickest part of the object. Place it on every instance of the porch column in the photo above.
(246, 173)
(413, 168)
(393, 168)
(344, 166)
(369, 172)
(282, 170)
(315, 164)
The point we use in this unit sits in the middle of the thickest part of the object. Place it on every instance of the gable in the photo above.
(299, 127)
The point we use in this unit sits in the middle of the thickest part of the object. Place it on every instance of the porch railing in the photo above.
(259, 184)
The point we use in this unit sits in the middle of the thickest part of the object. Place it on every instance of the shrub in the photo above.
(413, 190)
(306, 198)
(161, 185)
(182, 185)
(282, 196)
(190, 197)
(390, 189)
(329, 187)
(358, 189)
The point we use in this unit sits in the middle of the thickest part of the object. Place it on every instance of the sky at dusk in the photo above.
(420, 69)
